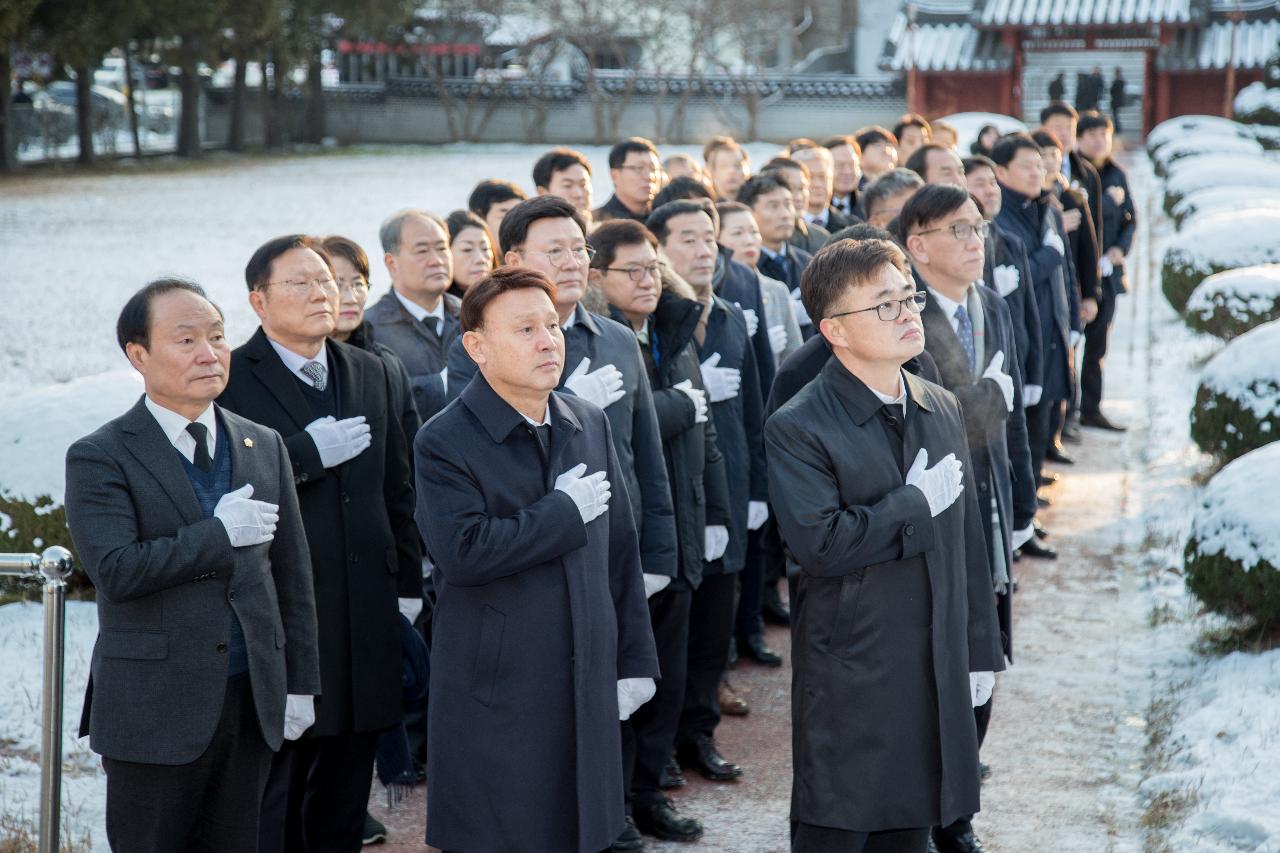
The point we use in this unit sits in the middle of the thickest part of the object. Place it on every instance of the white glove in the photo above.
(1106, 267)
(980, 686)
(797, 305)
(941, 484)
(1005, 277)
(1073, 339)
(722, 382)
(1023, 536)
(444, 382)
(299, 715)
(777, 339)
(1054, 241)
(339, 441)
(699, 398)
(602, 386)
(1031, 395)
(717, 539)
(248, 522)
(752, 318)
(757, 514)
(410, 608)
(590, 493)
(995, 372)
(654, 584)
(632, 693)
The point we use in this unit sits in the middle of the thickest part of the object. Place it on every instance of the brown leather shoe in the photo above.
(730, 702)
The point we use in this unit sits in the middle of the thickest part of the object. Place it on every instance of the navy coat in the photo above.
(1119, 220)
(1001, 251)
(739, 284)
(536, 619)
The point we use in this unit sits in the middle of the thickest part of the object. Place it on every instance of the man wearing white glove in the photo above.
(186, 520)
(1006, 279)
(871, 483)
(722, 382)
(541, 609)
(602, 386)
(697, 396)
(332, 405)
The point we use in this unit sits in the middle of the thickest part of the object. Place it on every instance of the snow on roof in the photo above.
(1244, 293)
(1230, 519)
(1028, 13)
(1209, 48)
(1256, 96)
(955, 46)
(1212, 201)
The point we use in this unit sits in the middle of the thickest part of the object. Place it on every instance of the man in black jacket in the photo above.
(635, 169)
(332, 404)
(773, 207)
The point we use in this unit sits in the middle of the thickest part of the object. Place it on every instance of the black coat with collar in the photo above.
(1085, 178)
(394, 327)
(803, 366)
(893, 608)
(739, 284)
(358, 517)
(1001, 251)
(538, 616)
(1119, 219)
(799, 259)
(1082, 243)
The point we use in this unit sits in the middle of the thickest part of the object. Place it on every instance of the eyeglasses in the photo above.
(357, 286)
(558, 256)
(646, 171)
(638, 274)
(301, 288)
(963, 230)
(891, 310)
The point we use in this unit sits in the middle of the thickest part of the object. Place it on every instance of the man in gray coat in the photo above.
(186, 520)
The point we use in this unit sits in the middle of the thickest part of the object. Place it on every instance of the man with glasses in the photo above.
(868, 468)
(635, 170)
(350, 467)
(970, 334)
(418, 319)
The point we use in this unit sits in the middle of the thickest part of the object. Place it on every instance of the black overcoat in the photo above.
(1001, 251)
(893, 609)
(536, 619)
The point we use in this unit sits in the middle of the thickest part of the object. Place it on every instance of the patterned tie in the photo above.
(200, 433)
(315, 371)
(964, 331)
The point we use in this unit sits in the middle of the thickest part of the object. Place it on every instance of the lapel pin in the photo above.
(248, 442)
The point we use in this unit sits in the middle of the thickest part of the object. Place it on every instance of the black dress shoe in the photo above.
(1033, 548)
(966, 843)
(1070, 433)
(663, 821)
(1055, 454)
(671, 776)
(1097, 420)
(1043, 502)
(374, 832)
(984, 771)
(731, 704)
(755, 648)
(1040, 532)
(630, 840)
(1049, 478)
(773, 610)
(703, 756)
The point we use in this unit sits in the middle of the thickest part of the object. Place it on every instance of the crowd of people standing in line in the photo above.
(507, 527)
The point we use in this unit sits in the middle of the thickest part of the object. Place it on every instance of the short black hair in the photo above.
(861, 231)
(613, 235)
(927, 206)
(345, 247)
(461, 220)
(257, 273)
(912, 120)
(759, 184)
(1008, 146)
(782, 162)
(657, 221)
(918, 161)
(618, 153)
(978, 161)
(843, 264)
(1046, 138)
(488, 193)
(683, 187)
(845, 139)
(515, 225)
(500, 281)
(1058, 108)
(873, 135)
(134, 324)
(1092, 120)
(557, 160)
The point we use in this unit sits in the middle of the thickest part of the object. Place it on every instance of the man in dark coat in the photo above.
(969, 332)
(1058, 87)
(186, 521)
(417, 319)
(542, 640)
(333, 405)
(627, 272)
(1078, 173)
(895, 635)
(635, 170)
(771, 204)
(1119, 222)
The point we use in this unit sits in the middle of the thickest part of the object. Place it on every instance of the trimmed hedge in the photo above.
(1230, 303)
(1214, 245)
(1238, 402)
(1225, 586)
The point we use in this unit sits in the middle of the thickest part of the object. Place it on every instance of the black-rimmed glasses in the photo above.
(891, 310)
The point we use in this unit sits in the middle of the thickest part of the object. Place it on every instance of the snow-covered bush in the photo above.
(1228, 304)
(1214, 245)
(1233, 553)
(1213, 201)
(1217, 170)
(1203, 145)
(1182, 126)
(1258, 104)
(1238, 402)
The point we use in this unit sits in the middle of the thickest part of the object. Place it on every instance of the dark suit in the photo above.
(615, 209)
(537, 617)
(739, 284)
(1119, 222)
(424, 352)
(1001, 251)
(168, 582)
(365, 553)
(893, 607)
(788, 269)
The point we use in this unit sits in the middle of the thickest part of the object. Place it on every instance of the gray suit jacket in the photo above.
(424, 356)
(167, 581)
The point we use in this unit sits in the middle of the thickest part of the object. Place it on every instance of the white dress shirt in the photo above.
(900, 400)
(546, 418)
(419, 313)
(949, 308)
(294, 362)
(174, 427)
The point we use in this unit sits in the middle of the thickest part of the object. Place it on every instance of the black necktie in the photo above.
(432, 324)
(544, 436)
(200, 433)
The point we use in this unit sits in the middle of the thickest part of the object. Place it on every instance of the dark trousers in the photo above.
(1039, 433)
(982, 717)
(807, 838)
(317, 795)
(654, 725)
(209, 805)
(751, 585)
(710, 630)
(1096, 336)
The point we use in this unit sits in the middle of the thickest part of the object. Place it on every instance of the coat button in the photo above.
(355, 558)
(231, 596)
(302, 478)
(910, 530)
(346, 498)
(982, 487)
(222, 648)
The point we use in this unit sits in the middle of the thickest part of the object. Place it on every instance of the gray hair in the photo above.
(817, 152)
(389, 233)
(889, 184)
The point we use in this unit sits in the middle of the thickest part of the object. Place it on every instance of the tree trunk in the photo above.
(189, 120)
(315, 99)
(8, 139)
(133, 107)
(84, 113)
(264, 93)
(239, 95)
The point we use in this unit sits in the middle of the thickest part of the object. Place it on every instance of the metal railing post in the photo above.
(52, 567)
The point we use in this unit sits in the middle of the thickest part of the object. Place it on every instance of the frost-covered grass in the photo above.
(1231, 303)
